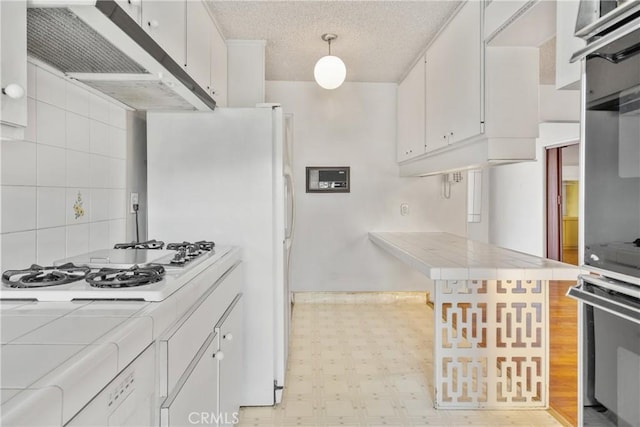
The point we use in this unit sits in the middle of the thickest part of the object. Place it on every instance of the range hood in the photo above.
(100, 45)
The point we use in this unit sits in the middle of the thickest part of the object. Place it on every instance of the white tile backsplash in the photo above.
(50, 88)
(78, 132)
(98, 235)
(18, 208)
(18, 163)
(118, 173)
(50, 124)
(117, 116)
(77, 239)
(100, 173)
(117, 232)
(99, 108)
(77, 100)
(78, 169)
(117, 142)
(51, 207)
(77, 205)
(18, 249)
(99, 138)
(75, 143)
(51, 166)
(99, 210)
(117, 204)
(51, 245)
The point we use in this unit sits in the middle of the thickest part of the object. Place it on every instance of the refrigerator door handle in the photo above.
(290, 199)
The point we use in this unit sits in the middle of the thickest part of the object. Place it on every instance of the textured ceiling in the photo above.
(377, 40)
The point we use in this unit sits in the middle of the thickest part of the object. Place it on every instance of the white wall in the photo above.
(355, 125)
(517, 195)
(74, 146)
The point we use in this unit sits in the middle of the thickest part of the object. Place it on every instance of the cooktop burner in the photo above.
(149, 244)
(40, 277)
(192, 247)
(126, 278)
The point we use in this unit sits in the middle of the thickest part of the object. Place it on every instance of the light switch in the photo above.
(404, 209)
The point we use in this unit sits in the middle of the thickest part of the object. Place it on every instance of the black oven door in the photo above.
(610, 364)
(612, 157)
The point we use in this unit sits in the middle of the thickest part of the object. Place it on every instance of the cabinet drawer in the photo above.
(181, 343)
(197, 394)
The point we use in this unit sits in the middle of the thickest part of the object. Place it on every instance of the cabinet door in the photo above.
(218, 67)
(567, 74)
(411, 113)
(165, 21)
(133, 8)
(199, 28)
(13, 38)
(463, 47)
(438, 96)
(231, 365)
(198, 395)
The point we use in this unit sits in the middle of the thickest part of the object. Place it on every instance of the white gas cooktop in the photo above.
(175, 276)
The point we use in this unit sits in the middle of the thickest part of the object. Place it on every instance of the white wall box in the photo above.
(520, 22)
(485, 111)
(567, 74)
(218, 78)
(246, 72)
(411, 112)
(13, 73)
(166, 22)
(198, 58)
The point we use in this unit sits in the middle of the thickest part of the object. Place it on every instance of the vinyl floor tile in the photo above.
(367, 365)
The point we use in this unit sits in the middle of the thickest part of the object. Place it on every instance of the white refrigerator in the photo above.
(226, 176)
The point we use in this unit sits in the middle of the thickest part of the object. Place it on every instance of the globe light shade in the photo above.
(330, 72)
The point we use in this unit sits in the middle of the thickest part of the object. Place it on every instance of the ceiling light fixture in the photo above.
(329, 71)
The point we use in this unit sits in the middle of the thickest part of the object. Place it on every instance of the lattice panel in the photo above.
(490, 343)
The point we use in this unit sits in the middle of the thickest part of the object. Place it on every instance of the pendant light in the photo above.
(329, 71)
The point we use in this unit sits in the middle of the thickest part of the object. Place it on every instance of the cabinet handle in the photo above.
(218, 355)
(13, 90)
(154, 23)
(228, 337)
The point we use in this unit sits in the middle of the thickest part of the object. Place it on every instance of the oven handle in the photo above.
(594, 46)
(611, 305)
(618, 57)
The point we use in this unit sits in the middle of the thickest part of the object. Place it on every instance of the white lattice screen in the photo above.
(490, 343)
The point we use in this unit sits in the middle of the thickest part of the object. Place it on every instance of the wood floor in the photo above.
(563, 352)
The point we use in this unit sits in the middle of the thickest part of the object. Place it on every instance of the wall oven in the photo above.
(609, 291)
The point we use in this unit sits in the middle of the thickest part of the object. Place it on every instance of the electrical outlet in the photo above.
(404, 209)
(134, 201)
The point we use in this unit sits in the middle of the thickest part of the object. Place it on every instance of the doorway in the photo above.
(563, 203)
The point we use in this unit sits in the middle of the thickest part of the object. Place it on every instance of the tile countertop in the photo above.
(444, 256)
(51, 349)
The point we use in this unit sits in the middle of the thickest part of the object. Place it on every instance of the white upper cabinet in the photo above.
(218, 79)
(567, 74)
(165, 21)
(454, 80)
(199, 29)
(411, 113)
(13, 73)
(133, 8)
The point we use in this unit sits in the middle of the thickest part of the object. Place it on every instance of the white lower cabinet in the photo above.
(230, 364)
(200, 359)
(195, 399)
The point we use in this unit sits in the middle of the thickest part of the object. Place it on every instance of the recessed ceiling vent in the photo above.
(58, 37)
